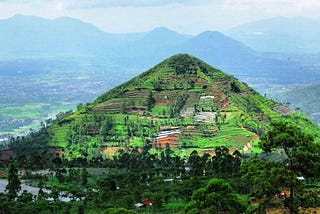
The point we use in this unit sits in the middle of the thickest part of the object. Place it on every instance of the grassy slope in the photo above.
(174, 84)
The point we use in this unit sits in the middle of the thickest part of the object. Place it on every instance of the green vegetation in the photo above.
(99, 185)
(13, 186)
(15, 119)
(217, 197)
(222, 183)
(301, 152)
(225, 113)
(160, 138)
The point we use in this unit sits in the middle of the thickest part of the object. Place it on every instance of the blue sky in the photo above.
(186, 16)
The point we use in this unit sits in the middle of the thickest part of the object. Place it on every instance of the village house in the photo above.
(284, 110)
(168, 137)
(284, 193)
(146, 203)
(207, 97)
(207, 117)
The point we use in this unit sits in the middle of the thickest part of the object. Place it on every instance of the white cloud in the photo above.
(59, 6)
(77, 4)
(121, 3)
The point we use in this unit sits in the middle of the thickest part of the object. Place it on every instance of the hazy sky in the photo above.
(187, 16)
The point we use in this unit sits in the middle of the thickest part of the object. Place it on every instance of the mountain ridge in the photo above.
(280, 34)
(81, 39)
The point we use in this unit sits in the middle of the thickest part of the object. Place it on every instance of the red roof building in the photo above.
(165, 138)
(285, 193)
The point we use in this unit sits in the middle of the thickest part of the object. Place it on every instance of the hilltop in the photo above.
(182, 102)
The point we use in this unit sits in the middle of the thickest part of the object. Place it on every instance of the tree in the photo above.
(196, 164)
(14, 184)
(191, 83)
(168, 153)
(223, 163)
(150, 101)
(84, 176)
(302, 154)
(41, 194)
(79, 106)
(108, 184)
(223, 118)
(25, 197)
(234, 87)
(106, 127)
(216, 197)
(157, 85)
(264, 178)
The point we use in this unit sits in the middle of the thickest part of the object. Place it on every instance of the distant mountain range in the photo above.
(29, 36)
(23, 36)
(280, 34)
(40, 58)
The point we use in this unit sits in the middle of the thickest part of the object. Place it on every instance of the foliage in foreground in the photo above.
(223, 183)
(216, 197)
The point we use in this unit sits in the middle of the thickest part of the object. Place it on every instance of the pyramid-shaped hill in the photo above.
(178, 77)
(183, 87)
(182, 102)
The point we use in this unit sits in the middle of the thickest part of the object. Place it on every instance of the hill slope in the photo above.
(181, 102)
(307, 99)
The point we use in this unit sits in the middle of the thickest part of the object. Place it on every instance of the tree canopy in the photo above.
(301, 151)
(302, 154)
(217, 197)
(14, 183)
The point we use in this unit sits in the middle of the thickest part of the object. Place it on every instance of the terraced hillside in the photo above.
(182, 103)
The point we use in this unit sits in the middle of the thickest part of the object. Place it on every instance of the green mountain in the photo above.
(306, 99)
(182, 102)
